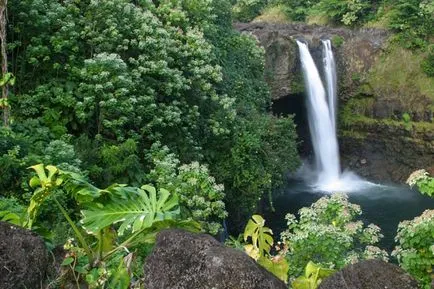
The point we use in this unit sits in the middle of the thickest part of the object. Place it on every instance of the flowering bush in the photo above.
(415, 250)
(423, 181)
(200, 197)
(328, 234)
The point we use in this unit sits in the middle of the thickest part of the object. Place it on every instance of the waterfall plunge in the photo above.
(322, 123)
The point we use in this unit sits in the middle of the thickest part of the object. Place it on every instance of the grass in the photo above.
(273, 14)
(317, 19)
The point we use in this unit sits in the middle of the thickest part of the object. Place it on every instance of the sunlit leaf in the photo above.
(67, 261)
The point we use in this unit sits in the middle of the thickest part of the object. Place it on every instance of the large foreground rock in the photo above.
(23, 258)
(370, 274)
(183, 260)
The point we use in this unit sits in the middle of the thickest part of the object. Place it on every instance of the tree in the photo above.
(4, 62)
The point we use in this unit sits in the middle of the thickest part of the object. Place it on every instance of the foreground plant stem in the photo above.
(76, 231)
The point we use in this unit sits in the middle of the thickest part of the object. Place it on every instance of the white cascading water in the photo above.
(331, 80)
(322, 123)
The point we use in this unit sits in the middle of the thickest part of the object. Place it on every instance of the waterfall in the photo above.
(321, 110)
(321, 121)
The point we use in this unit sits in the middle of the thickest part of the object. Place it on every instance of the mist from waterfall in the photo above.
(321, 109)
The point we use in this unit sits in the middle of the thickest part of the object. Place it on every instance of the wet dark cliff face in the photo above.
(376, 140)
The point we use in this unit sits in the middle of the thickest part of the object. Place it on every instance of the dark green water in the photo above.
(383, 205)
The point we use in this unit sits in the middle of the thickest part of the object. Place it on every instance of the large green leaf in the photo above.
(313, 275)
(278, 266)
(262, 237)
(133, 208)
(13, 218)
(44, 185)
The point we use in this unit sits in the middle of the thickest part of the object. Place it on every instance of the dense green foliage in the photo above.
(328, 234)
(415, 250)
(131, 92)
(413, 19)
(246, 10)
(100, 82)
(348, 12)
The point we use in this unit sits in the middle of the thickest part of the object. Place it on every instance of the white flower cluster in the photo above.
(417, 176)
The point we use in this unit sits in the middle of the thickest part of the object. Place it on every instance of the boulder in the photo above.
(372, 274)
(183, 260)
(23, 258)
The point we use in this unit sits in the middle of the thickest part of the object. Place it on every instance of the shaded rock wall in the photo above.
(374, 140)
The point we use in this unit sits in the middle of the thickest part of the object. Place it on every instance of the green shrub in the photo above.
(413, 21)
(415, 249)
(337, 41)
(257, 242)
(260, 149)
(246, 10)
(328, 234)
(427, 64)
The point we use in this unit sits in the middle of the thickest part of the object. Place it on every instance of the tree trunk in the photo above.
(4, 58)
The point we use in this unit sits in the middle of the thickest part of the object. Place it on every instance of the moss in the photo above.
(356, 108)
(365, 89)
(297, 84)
(357, 115)
(353, 134)
(363, 123)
